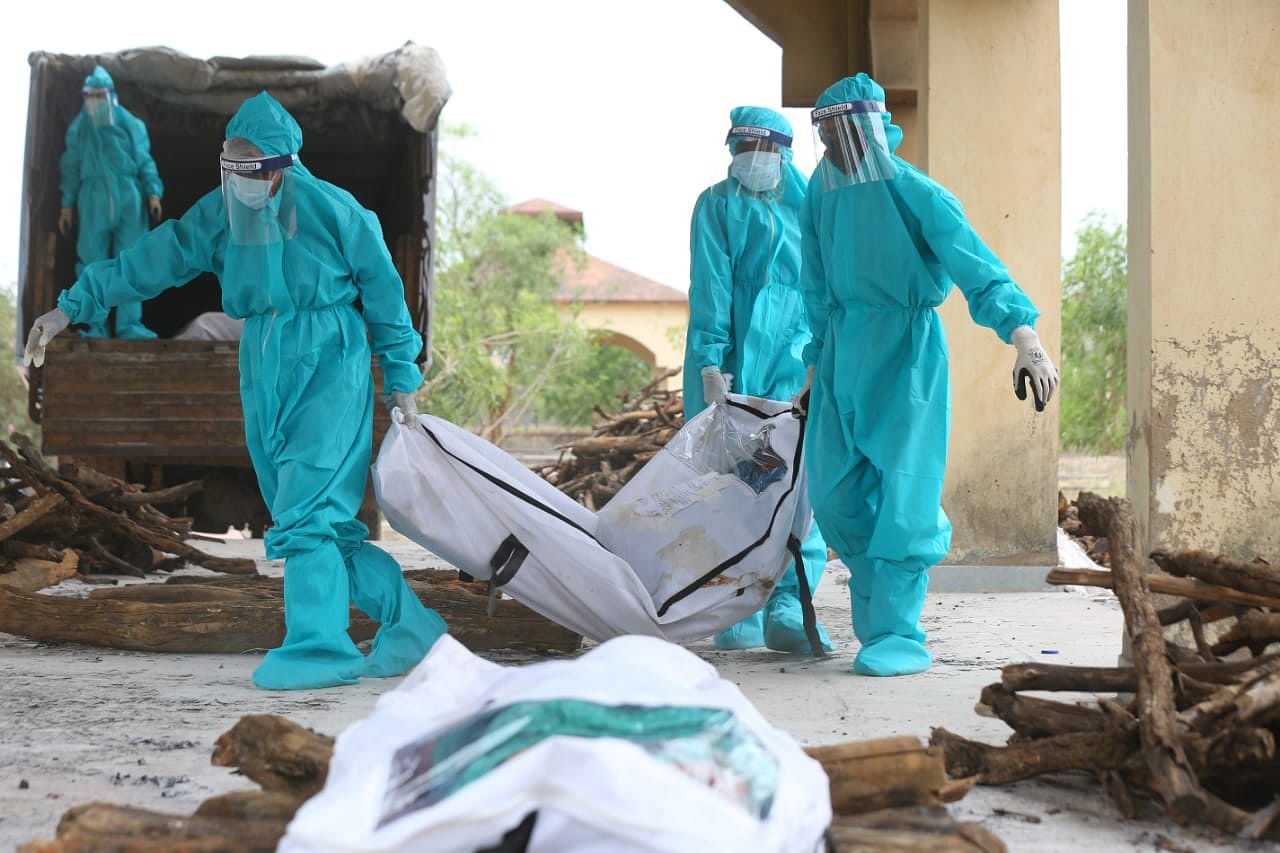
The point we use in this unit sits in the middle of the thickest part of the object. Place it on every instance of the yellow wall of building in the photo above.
(1204, 271)
(991, 110)
(658, 327)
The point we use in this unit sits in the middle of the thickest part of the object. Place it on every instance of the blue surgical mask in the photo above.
(758, 171)
(251, 193)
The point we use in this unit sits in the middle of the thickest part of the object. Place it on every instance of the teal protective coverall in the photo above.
(879, 258)
(108, 175)
(294, 270)
(747, 317)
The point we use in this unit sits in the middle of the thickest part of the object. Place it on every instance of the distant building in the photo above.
(640, 315)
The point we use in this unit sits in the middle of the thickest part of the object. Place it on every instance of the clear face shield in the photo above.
(757, 159)
(258, 198)
(849, 140)
(98, 104)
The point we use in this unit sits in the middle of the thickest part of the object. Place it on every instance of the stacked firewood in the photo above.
(55, 524)
(1094, 542)
(887, 795)
(1199, 733)
(591, 470)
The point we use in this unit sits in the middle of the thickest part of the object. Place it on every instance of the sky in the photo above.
(616, 109)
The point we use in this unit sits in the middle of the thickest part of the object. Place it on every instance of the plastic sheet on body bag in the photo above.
(709, 745)
(716, 445)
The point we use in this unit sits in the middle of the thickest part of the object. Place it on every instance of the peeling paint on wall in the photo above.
(1215, 443)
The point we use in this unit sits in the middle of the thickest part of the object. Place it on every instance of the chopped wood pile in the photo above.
(55, 524)
(887, 795)
(1094, 542)
(592, 469)
(1200, 732)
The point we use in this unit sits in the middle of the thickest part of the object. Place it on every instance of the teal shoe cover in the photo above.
(317, 651)
(887, 601)
(408, 629)
(747, 634)
(784, 628)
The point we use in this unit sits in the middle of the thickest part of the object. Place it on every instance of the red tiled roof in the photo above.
(597, 280)
(601, 281)
(539, 206)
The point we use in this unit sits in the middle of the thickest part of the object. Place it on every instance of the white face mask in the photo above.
(251, 193)
(758, 171)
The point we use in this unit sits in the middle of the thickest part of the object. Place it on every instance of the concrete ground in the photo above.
(79, 724)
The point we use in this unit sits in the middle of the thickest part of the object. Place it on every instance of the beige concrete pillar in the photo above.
(1204, 274)
(991, 111)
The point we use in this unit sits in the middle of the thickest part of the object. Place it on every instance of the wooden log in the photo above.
(38, 509)
(883, 773)
(107, 558)
(611, 445)
(1099, 752)
(278, 754)
(1035, 718)
(1185, 587)
(121, 621)
(1171, 774)
(103, 828)
(1102, 679)
(173, 494)
(922, 829)
(30, 575)
(1162, 750)
(1207, 715)
(272, 806)
(18, 548)
(1257, 578)
(1255, 628)
(158, 593)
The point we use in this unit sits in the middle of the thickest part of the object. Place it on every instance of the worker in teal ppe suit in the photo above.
(294, 253)
(882, 245)
(747, 321)
(109, 176)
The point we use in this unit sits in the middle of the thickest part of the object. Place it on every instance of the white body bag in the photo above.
(637, 745)
(692, 544)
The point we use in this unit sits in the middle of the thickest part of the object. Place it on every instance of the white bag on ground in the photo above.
(693, 543)
(636, 745)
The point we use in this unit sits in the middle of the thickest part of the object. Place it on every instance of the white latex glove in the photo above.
(798, 402)
(1033, 364)
(404, 402)
(153, 207)
(43, 330)
(65, 218)
(715, 386)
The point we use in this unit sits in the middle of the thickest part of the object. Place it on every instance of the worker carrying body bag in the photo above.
(692, 544)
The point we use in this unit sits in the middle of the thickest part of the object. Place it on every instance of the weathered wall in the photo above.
(992, 111)
(1204, 270)
(658, 327)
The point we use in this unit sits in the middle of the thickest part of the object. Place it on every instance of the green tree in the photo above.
(1093, 417)
(598, 380)
(13, 388)
(504, 350)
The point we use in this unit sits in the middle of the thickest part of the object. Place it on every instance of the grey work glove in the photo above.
(65, 218)
(43, 330)
(1033, 364)
(715, 386)
(154, 208)
(800, 402)
(405, 402)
